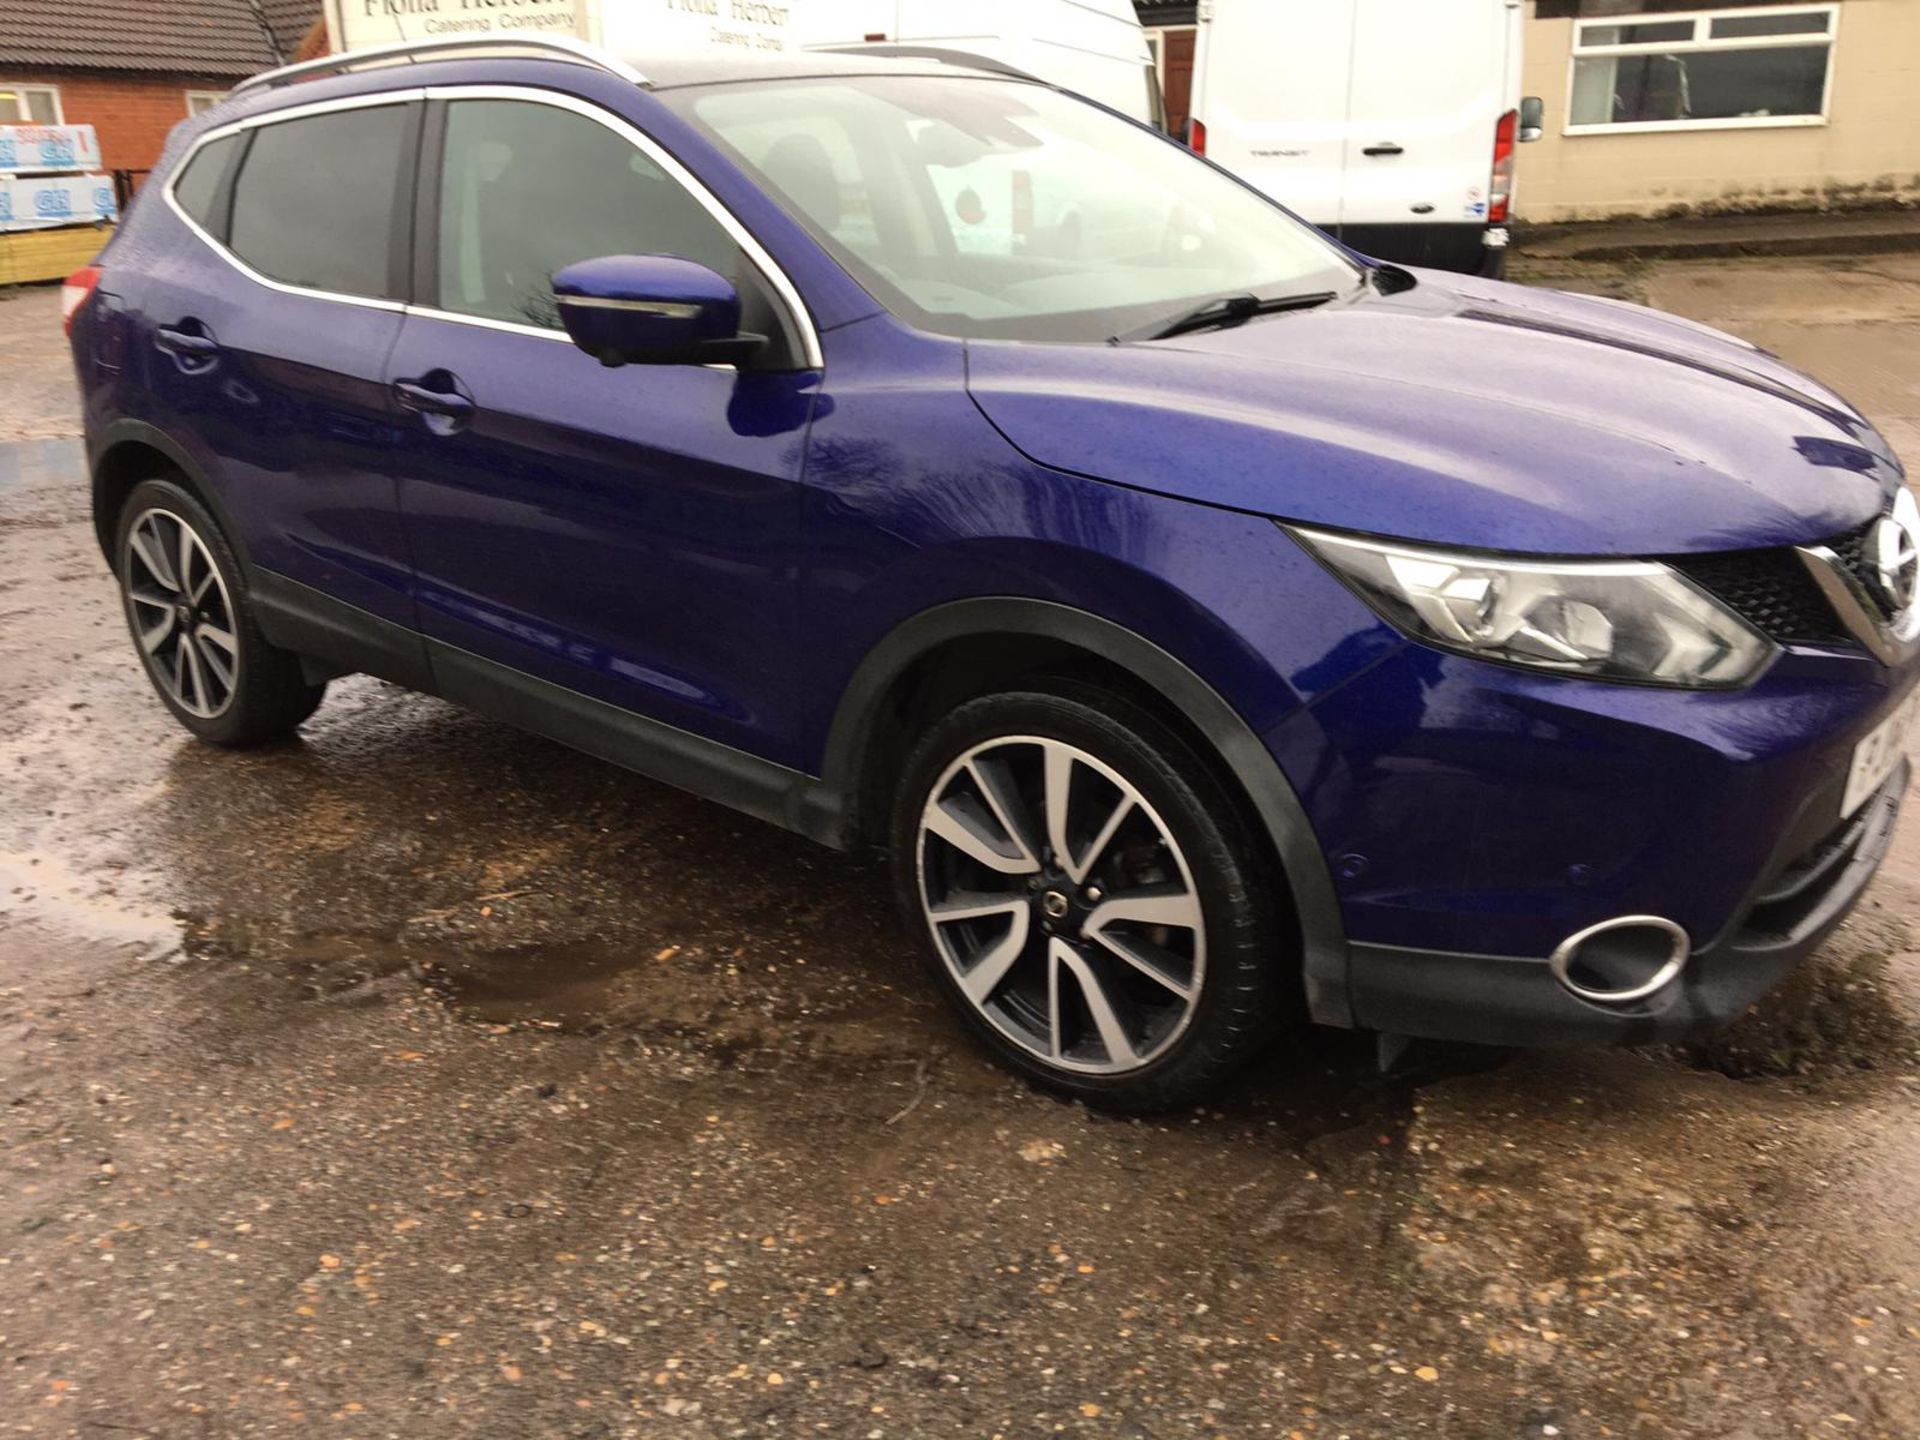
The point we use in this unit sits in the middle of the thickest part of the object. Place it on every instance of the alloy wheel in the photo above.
(181, 614)
(1061, 904)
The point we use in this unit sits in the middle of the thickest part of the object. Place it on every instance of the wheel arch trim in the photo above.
(126, 430)
(1283, 817)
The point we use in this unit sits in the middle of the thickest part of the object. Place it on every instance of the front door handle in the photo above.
(1386, 148)
(412, 395)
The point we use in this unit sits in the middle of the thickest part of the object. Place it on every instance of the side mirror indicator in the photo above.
(652, 310)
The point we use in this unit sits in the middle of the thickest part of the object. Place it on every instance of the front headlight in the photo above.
(1631, 620)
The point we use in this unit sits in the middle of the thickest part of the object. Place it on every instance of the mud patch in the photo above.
(1838, 1012)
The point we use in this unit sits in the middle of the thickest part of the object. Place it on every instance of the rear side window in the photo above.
(527, 189)
(199, 183)
(316, 199)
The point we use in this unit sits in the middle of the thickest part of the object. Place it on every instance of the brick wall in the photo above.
(131, 113)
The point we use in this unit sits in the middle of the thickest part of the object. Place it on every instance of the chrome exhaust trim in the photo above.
(1679, 949)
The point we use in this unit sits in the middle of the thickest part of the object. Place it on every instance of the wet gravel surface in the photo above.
(419, 1078)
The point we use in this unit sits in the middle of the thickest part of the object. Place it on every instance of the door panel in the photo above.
(626, 533)
(1429, 83)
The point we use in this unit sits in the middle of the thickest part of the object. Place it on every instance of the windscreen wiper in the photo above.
(1219, 313)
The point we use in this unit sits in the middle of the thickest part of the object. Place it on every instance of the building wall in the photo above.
(131, 113)
(1868, 150)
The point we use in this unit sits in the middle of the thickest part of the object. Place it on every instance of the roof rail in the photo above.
(410, 51)
(941, 54)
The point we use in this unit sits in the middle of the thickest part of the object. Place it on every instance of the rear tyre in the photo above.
(1090, 901)
(193, 627)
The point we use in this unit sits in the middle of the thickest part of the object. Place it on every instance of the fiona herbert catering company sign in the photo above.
(356, 24)
(663, 24)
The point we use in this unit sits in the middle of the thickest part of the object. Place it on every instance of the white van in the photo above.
(1391, 124)
(1091, 47)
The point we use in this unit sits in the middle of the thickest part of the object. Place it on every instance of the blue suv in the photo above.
(1220, 629)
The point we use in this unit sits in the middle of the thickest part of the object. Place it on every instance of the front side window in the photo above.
(29, 105)
(316, 198)
(527, 189)
(1000, 208)
(1713, 69)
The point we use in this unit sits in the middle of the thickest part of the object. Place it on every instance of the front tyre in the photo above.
(1092, 904)
(193, 627)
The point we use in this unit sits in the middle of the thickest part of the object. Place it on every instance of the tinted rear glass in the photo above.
(316, 199)
(199, 183)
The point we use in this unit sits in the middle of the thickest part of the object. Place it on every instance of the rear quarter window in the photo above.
(317, 197)
(199, 184)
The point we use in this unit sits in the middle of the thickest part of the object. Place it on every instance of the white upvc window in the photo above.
(203, 100)
(29, 104)
(1702, 70)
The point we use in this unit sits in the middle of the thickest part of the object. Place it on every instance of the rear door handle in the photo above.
(187, 344)
(412, 395)
(1389, 148)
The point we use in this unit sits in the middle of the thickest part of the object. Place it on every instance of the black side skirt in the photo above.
(345, 639)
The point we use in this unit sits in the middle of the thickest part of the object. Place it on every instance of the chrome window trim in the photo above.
(487, 322)
(755, 252)
(789, 295)
(253, 122)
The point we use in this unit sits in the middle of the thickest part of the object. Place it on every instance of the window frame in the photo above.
(210, 98)
(40, 88)
(1703, 42)
(416, 227)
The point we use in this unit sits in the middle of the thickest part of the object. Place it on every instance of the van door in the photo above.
(1270, 87)
(1428, 88)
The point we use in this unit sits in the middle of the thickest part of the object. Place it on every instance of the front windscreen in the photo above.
(998, 208)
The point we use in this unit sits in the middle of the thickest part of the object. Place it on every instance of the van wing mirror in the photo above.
(652, 310)
(1533, 119)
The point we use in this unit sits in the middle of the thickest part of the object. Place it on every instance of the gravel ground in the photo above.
(419, 1078)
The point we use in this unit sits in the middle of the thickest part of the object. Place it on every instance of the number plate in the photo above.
(1878, 752)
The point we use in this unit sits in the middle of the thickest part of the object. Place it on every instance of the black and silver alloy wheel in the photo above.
(181, 613)
(1096, 909)
(1061, 904)
(192, 621)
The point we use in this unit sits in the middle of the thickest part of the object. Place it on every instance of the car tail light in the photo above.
(1197, 136)
(1500, 187)
(74, 292)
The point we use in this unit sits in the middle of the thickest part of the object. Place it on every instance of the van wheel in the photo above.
(193, 628)
(1092, 904)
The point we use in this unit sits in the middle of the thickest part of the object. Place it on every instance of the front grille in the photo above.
(1851, 549)
(1772, 590)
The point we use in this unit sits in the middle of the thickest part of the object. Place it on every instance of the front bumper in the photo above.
(1474, 816)
(1515, 1000)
